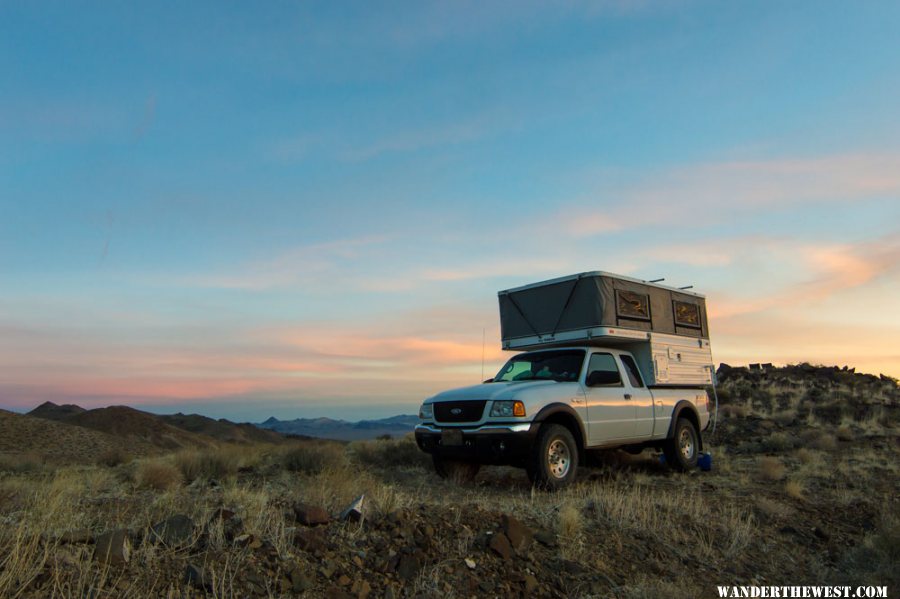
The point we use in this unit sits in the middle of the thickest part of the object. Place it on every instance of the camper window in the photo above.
(632, 305)
(686, 314)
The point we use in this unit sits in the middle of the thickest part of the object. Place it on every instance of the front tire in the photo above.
(458, 471)
(683, 449)
(554, 461)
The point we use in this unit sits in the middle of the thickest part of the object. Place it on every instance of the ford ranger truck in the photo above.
(544, 409)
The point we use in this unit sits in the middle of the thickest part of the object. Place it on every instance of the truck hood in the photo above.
(499, 391)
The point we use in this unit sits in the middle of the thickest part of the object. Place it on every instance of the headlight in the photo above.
(426, 412)
(507, 409)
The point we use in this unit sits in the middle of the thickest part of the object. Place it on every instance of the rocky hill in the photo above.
(29, 442)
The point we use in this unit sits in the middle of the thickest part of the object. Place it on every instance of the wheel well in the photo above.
(568, 421)
(691, 415)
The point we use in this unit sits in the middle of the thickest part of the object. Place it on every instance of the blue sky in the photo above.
(307, 209)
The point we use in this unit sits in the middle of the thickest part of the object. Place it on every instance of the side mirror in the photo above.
(490, 380)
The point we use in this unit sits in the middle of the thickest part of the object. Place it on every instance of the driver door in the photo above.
(611, 413)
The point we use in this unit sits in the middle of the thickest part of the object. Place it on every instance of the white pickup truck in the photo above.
(545, 408)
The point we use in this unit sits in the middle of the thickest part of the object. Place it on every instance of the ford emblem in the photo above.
(456, 411)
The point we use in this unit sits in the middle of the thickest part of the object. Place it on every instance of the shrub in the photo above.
(389, 453)
(22, 462)
(844, 434)
(207, 463)
(114, 456)
(805, 456)
(314, 457)
(158, 475)
(570, 521)
(793, 489)
(777, 442)
(771, 468)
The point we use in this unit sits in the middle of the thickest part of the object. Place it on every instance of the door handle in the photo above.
(628, 396)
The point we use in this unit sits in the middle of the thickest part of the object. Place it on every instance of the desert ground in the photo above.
(803, 491)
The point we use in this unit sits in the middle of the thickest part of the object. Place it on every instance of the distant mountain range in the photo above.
(146, 430)
(327, 428)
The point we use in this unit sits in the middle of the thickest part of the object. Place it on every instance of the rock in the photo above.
(470, 563)
(354, 511)
(113, 547)
(196, 577)
(546, 538)
(408, 567)
(361, 589)
(518, 534)
(500, 545)
(173, 532)
(531, 584)
(243, 540)
(232, 525)
(312, 541)
(79, 535)
(311, 515)
(344, 580)
(299, 581)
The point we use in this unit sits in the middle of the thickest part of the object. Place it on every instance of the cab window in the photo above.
(634, 375)
(603, 372)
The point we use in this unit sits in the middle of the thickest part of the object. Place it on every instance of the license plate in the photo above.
(451, 437)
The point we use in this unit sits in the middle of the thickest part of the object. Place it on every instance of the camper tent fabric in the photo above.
(598, 299)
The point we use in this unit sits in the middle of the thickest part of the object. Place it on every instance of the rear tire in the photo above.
(458, 471)
(683, 449)
(554, 461)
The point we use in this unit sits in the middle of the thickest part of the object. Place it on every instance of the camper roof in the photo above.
(599, 273)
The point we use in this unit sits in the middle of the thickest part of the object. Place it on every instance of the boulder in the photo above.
(518, 534)
(196, 576)
(176, 531)
(311, 515)
(113, 547)
(500, 545)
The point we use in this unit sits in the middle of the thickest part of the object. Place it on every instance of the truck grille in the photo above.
(459, 411)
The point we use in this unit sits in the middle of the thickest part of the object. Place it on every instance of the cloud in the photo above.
(715, 192)
(806, 273)
(308, 265)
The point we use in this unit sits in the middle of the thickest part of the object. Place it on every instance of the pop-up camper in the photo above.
(665, 328)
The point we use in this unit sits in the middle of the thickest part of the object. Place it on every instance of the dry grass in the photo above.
(211, 464)
(844, 433)
(113, 456)
(158, 475)
(314, 457)
(793, 489)
(388, 453)
(650, 531)
(771, 469)
(18, 463)
(806, 456)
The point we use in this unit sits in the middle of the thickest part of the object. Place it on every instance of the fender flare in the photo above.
(561, 408)
(682, 406)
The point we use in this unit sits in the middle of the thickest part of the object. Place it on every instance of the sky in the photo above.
(306, 209)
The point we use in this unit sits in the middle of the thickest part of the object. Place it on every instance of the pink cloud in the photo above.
(709, 193)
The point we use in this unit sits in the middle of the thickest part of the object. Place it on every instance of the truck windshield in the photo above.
(561, 365)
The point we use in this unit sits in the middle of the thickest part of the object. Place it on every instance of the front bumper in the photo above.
(488, 444)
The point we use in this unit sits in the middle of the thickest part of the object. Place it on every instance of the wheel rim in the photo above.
(559, 459)
(686, 444)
